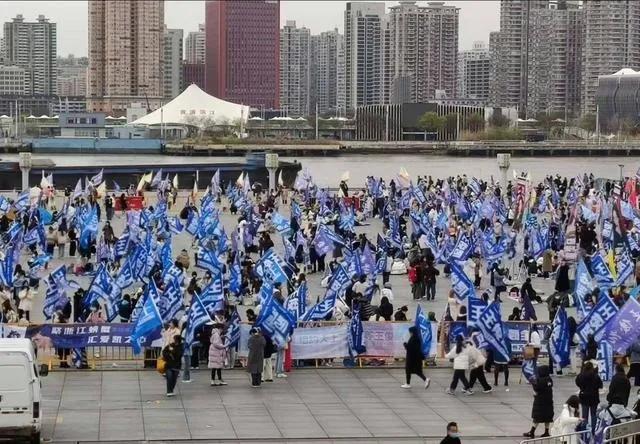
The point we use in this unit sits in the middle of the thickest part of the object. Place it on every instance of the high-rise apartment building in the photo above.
(72, 76)
(612, 42)
(33, 47)
(325, 49)
(195, 46)
(173, 55)
(473, 72)
(423, 51)
(242, 51)
(363, 49)
(554, 60)
(2, 49)
(295, 69)
(512, 52)
(11, 80)
(192, 73)
(126, 39)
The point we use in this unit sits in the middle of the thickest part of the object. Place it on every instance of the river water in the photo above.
(327, 171)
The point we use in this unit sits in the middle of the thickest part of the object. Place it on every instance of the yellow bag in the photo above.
(160, 365)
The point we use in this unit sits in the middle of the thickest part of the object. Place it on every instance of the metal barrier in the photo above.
(623, 433)
(569, 438)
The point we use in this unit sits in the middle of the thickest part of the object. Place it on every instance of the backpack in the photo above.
(413, 275)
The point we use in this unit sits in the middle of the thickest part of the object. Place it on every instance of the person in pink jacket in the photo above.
(217, 353)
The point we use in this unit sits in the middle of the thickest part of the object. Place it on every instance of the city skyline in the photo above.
(477, 18)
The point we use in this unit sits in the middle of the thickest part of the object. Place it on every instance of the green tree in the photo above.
(431, 122)
(475, 122)
(588, 122)
(497, 120)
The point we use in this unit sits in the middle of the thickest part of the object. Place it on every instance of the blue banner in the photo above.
(604, 361)
(356, 333)
(475, 307)
(275, 321)
(583, 288)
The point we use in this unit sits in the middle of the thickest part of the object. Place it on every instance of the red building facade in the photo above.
(193, 73)
(243, 51)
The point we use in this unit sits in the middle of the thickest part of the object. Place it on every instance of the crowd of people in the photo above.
(455, 228)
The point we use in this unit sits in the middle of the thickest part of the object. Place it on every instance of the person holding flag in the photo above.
(414, 358)
(217, 354)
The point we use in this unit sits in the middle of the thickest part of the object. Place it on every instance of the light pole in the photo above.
(621, 166)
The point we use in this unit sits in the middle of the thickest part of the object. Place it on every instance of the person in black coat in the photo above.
(619, 388)
(453, 437)
(589, 383)
(413, 361)
(542, 411)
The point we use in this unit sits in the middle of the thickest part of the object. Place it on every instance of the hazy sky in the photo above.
(477, 18)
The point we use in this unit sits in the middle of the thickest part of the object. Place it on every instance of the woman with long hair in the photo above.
(413, 361)
(460, 356)
(589, 383)
(569, 418)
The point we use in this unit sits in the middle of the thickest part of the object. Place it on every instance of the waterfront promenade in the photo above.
(358, 405)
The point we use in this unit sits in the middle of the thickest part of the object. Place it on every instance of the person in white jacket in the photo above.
(460, 356)
(569, 418)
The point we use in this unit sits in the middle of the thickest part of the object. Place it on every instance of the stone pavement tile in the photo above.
(165, 424)
(121, 424)
(255, 427)
(205, 424)
(162, 402)
(342, 426)
(77, 425)
(67, 403)
(329, 409)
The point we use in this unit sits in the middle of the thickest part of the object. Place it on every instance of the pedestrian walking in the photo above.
(414, 359)
(172, 355)
(255, 359)
(217, 354)
(460, 356)
(542, 410)
(476, 363)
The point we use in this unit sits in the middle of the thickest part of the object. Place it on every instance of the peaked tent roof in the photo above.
(194, 103)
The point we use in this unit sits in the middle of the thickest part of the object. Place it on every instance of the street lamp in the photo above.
(621, 166)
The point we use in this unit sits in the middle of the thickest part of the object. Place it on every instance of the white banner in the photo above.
(12, 331)
(387, 339)
(383, 339)
(320, 342)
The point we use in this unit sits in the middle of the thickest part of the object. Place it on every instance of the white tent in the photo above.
(194, 104)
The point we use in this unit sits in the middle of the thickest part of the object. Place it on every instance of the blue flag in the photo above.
(475, 307)
(529, 369)
(270, 267)
(625, 267)
(233, 330)
(208, 260)
(582, 289)
(213, 295)
(493, 331)
(337, 284)
(100, 288)
(560, 341)
(463, 248)
(356, 333)
(460, 282)
(275, 321)
(198, 316)
(170, 301)
(597, 318)
(148, 324)
(601, 272)
(424, 328)
(367, 260)
(280, 223)
(604, 361)
(623, 329)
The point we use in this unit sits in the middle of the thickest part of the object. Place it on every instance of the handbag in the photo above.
(161, 365)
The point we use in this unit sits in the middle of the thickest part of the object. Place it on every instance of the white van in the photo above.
(20, 402)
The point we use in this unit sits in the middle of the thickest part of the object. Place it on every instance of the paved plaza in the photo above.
(364, 405)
